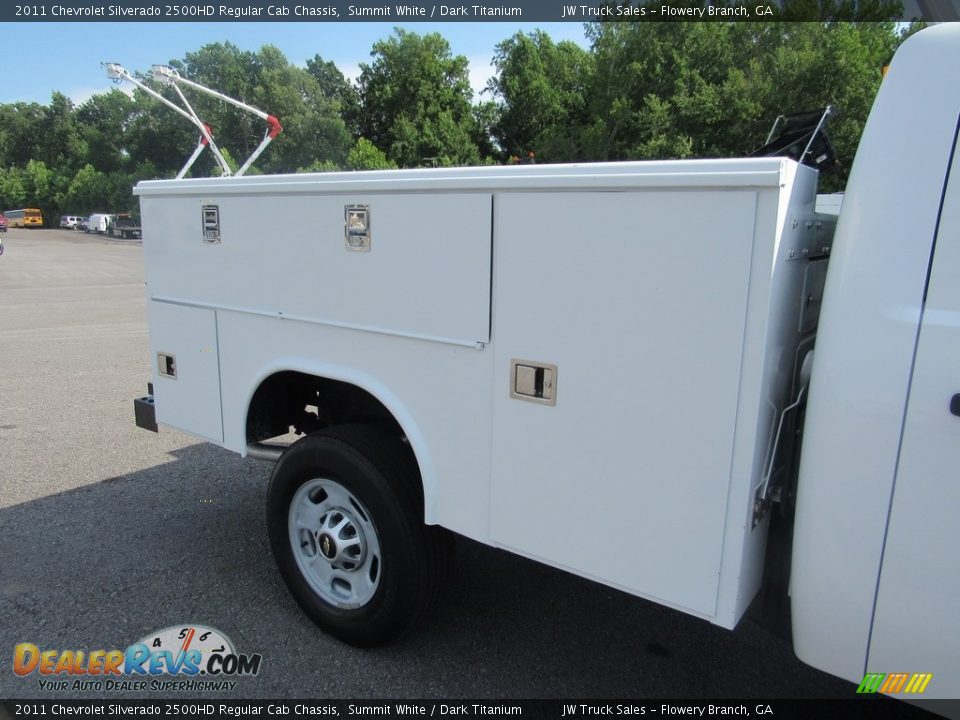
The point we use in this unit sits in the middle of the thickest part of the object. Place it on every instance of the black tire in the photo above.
(402, 562)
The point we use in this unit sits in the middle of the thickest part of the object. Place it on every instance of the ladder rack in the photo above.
(169, 76)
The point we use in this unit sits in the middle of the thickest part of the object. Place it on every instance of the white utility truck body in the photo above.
(591, 362)
(662, 293)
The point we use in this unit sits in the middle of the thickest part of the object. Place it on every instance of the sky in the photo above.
(40, 58)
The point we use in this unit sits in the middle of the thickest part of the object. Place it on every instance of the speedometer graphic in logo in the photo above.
(196, 642)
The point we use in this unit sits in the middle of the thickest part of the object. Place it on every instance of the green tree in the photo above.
(13, 192)
(318, 166)
(840, 66)
(486, 116)
(678, 90)
(161, 138)
(21, 134)
(312, 126)
(364, 155)
(62, 146)
(43, 189)
(102, 122)
(542, 88)
(417, 101)
(335, 87)
(85, 193)
(118, 191)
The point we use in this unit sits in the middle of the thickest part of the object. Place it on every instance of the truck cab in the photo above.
(874, 585)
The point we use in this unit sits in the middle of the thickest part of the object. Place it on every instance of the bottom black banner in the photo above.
(866, 707)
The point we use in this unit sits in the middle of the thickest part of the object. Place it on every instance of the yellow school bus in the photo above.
(26, 218)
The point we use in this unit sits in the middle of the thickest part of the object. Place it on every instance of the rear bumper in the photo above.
(145, 411)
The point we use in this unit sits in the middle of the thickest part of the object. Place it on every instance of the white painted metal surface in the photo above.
(439, 393)
(865, 348)
(598, 269)
(917, 600)
(192, 395)
(672, 303)
(642, 306)
(749, 173)
(427, 276)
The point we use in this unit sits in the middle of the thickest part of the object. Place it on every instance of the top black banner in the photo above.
(477, 11)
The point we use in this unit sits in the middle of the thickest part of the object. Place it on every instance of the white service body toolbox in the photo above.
(590, 362)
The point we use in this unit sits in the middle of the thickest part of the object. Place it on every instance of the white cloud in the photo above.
(350, 70)
(481, 70)
(79, 95)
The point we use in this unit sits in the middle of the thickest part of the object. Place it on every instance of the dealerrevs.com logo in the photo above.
(183, 657)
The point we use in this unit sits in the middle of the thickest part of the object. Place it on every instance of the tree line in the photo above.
(639, 91)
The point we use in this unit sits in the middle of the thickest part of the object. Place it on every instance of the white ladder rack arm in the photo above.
(115, 71)
(224, 166)
(170, 76)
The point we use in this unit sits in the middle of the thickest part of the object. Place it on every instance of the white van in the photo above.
(98, 223)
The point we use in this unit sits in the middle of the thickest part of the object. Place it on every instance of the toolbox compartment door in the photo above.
(422, 270)
(186, 369)
(634, 303)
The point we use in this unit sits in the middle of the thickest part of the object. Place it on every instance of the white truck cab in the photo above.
(875, 585)
(603, 367)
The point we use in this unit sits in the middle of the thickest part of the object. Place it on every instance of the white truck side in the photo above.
(602, 367)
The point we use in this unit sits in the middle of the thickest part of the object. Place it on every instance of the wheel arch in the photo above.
(352, 380)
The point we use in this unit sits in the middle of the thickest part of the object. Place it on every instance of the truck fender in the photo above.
(377, 389)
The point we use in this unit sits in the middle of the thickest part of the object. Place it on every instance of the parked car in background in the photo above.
(69, 222)
(98, 223)
(3, 223)
(82, 225)
(124, 226)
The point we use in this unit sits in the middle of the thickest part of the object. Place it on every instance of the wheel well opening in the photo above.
(294, 402)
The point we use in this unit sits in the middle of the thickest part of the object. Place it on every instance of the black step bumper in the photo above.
(145, 411)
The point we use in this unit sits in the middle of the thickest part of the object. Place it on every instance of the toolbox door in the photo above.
(404, 264)
(618, 331)
(186, 369)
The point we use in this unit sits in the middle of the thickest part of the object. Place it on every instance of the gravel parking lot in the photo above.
(111, 532)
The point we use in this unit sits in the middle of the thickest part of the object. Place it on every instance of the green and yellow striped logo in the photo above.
(894, 683)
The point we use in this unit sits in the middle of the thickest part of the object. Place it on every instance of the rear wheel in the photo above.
(345, 518)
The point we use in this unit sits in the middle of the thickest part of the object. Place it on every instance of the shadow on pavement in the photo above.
(185, 543)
